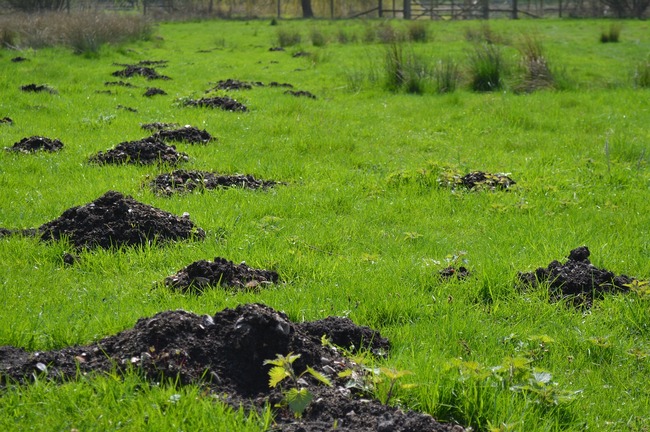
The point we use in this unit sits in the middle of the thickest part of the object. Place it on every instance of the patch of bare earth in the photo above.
(225, 353)
(180, 181)
(187, 134)
(223, 102)
(36, 143)
(145, 152)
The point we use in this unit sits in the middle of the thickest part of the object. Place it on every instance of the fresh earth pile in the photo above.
(187, 181)
(36, 143)
(115, 220)
(225, 103)
(477, 180)
(577, 280)
(144, 71)
(188, 134)
(226, 353)
(203, 274)
(145, 151)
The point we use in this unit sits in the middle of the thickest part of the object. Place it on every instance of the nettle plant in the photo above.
(297, 397)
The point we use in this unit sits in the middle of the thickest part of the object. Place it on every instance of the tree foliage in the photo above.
(36, 5)
(627, 8)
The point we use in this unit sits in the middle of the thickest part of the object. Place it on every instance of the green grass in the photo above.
(360, 229)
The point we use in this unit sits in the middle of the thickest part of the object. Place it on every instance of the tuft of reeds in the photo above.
(537, 74)
(405, 71)
(446, 76)
(288, 37)
(642, 75)
(318, 38)
(612, 34)
(417, 31)
(486, 68)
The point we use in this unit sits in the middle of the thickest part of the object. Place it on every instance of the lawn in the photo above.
(360, 227)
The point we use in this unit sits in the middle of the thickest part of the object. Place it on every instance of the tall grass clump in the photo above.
(482, 34)
(387, 34)
(288, 37)
(642, 75)
(317, 37)
(612, 34)
(417, 31)
(84, 32)
(486, 68)
(446, 76)
(405, 71)
(537, 74)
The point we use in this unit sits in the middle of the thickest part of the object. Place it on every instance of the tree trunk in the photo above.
(307, 11)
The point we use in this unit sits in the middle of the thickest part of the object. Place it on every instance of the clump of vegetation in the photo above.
(417, 31)
(387, 34)
(288, 37)
(84, 32)
(483, 34)
(612, 34)
(405, 71)
(446, 75)
(318, 38)
(486, 68)
(537, 74)
(642, 75)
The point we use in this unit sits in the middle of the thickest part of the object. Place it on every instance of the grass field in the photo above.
(361, 227)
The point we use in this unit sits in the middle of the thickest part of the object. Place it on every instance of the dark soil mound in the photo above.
(203, 274)
(115, 220)
(188, 134)
(158, 126)
(37, 88)
(277, 84)
(118, 83)
(36, 143)
(225, 103)
(233, 84)
(577, 280)
(145, 71)
(476, 180)
(301, 54)
(6, 120)
(153, 91)
(126, 108)
(276, 49)
(19, 59)
(300, 93)
(226, 352)
(146, 151)
(454, 272)
(188, 181)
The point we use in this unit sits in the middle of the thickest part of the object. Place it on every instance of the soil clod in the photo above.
(36, 143)
(277, 84)
(454, 272)
(115, 220)
(144, 71)
(118, 83)
(187, 134)
(233, 84)
(6, 120)
(204, 274)
(300, 93)
(38, 88)
(226, 352)
(577, 280)
(19, 59)
(153, 91)
(145, 152)
(158, 126)
(476, 180)
(180, 181)
(225, 103)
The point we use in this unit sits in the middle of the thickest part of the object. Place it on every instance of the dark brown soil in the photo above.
(187, 181)
(38, 88)
(233, 84)
(301, 54)
(118, 83)
(276, 49)
(277, 84)
(6, 120)
(146, 151)
(226, 353)
(158, 126)
(141, 70)
(187, 134)
(225, 103)
(577, 280)
(153, 91)
(114, 220)
(203, 274)
(36, 143)
(477, 180)
(454, 272)
(126, 108)
(19, 59)
(300, 93)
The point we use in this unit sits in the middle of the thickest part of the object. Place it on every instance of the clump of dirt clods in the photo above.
(577, 280)
(300, 93)
(233, 84)
(276, 49)
(180, 181)
(36, 143)
(450, 272)
(225, 353)
(158, 126)
(277, 84)
(19, 59)
(225, 103)
(145, 152)
(6, 120)
(138, 69)
(118, 83)
(126, 108)
(38, 88)
(203, 274)
(301, 54)
(115, 220)
(153, 91)
(476, 180)
(188, 134)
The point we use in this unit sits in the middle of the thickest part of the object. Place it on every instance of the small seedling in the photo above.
(297, 398)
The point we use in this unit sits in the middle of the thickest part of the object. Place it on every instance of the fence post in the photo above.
(407, 9)
(380, 9)
(514, 9)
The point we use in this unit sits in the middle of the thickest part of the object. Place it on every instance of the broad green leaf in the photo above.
(319, 376)
(277, 374)
(298, 400)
